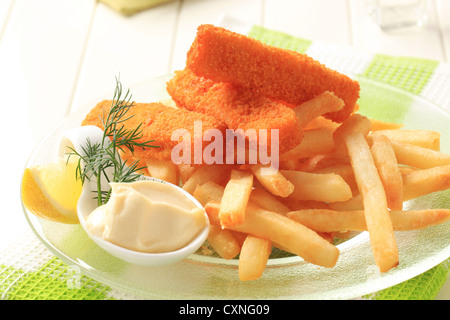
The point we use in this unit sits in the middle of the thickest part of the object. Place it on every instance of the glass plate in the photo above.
(206, 277)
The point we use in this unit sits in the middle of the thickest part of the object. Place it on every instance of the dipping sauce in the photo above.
(147, 216)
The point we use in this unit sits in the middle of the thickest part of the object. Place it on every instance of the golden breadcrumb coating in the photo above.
(280, 74)
(158, 123)
(239, 108)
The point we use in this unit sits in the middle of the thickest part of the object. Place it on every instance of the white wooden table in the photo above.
(55, 55)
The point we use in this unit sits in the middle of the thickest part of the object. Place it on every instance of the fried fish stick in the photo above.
(280, 74)
(159, 122)
(239, 108)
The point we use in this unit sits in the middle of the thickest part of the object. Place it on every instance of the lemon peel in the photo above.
(51, 191)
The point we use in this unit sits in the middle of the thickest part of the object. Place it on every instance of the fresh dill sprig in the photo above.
(102, 160)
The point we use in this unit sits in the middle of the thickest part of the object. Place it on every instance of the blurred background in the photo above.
(56, 54)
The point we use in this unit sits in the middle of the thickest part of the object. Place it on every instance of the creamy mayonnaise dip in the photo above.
(147, 216)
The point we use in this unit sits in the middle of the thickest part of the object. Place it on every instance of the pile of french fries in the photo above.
(342, 178)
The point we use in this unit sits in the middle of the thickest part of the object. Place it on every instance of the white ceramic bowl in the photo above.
(76, 138)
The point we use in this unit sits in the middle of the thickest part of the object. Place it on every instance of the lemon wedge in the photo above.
(51, 191)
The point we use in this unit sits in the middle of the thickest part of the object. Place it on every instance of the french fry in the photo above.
(223, 242)
(253, 257)
(309, 164)
(326, 220)
(235, 198)
(384, 125)
(418, 219)
(185, 171)
(274, 182)
(355, 203)
(239, 236)
(318, 187)
(355, 123)
(344, 170)
(291, 235)
(267, 201)
(424, 138)
(321, 122)
(208, 191)
(289, 164)
(294, 204)
(318, 106)
(343, 235)
(422, 182)
(386, 163)
(331, 160)
(322, 220)
(419, 157)
(405, 169)
(163, 169)
(314, 142)
(215, 173)
(379, 225)
(329, 236)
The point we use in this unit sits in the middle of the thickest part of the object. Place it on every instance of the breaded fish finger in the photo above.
(239, 108)
(280, 74)
(158, 123)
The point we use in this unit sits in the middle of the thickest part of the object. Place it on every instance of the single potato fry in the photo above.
(379, 225)
(274, 182)
(384, 158)
(355, 123)
(384, 125)
(355, 203)
(424, 138)
(294, 204)
(419, 157)
(293, 236)
(314, 142)
(215, 173)
(223, 242)
(318, 187)
(421, 182)
(208, 191)
(163, 169)
(308, 164)
(235, 198)
(239, 236)
(185, 171)
(405, 169)
(318, 106)
(344, 170)
(418, 219)
(253, 258)
(326, 220)
(290, 164)
(321, 122)
(322, 220)
(268, 201)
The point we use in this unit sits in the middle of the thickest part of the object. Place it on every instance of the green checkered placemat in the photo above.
(52, 281)
(29, 271)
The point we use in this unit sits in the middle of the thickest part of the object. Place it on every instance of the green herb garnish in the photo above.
(102, 160)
